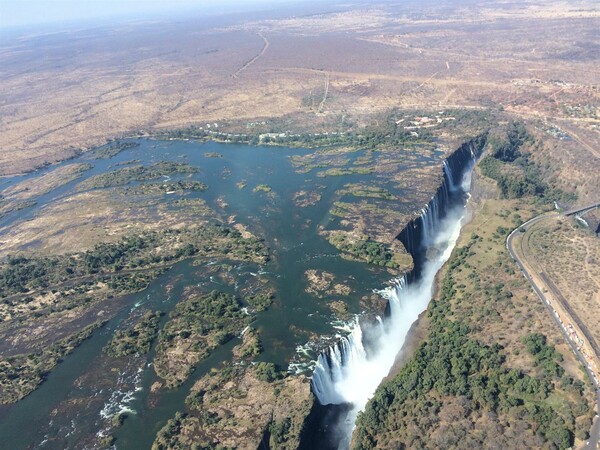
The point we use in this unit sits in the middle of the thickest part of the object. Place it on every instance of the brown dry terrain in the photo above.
(240, 407)
(567, 254)
(70, 90)
(80, 221)
(25, 193)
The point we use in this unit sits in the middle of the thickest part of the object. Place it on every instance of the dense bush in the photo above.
(385, 131)
(517, 176)
(372, 252)
(167, 437)
(197, 325)
(268, 372)
(21, 274)
(544, 355)
(125, 175)
(279, 432)
(136, 339)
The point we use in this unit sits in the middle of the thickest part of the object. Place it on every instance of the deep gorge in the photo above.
(348, 372)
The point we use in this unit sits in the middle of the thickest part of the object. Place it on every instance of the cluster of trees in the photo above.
(168, 436)
(260, 301)
(372, 252)
(194, 132)
(368, 191)
(125, 175)
(116, 256)
(199, 323)
(20, 274)
(514, 183)
(112, 150)
(252, 344)
(340, 171)
(384, 132)
(507, 149)
(201, 316)
(387, 132)
(517, 176)
(134, 281)
(279, 433)
(182, 185)
(269, 372)
(544, 355)
(136, 339)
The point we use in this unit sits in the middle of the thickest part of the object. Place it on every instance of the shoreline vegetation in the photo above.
(390, 128)
(22, 374)
(371, 136)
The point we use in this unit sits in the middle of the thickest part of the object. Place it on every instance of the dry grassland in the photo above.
(68, 91)
(570, 255)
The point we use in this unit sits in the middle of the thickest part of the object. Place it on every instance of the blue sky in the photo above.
(34, 12)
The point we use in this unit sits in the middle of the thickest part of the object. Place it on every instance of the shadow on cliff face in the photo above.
(321, 430)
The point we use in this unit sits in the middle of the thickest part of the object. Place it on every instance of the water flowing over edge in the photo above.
(350, 371)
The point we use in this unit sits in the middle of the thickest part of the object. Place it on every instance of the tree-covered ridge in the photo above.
(455, 381)
(512, 168)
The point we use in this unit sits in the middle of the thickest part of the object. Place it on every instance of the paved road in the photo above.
(594, 440)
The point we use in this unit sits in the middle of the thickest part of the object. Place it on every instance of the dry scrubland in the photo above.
(67, 91)
(570, 255)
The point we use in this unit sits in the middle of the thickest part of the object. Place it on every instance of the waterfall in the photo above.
(346, 373)
(449, 176)
(336, 366)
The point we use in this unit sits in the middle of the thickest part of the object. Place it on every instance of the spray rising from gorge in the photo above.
(349, 372)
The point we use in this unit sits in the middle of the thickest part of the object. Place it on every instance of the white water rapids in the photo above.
(349, 374)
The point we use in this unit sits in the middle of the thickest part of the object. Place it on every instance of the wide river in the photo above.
(71, 405)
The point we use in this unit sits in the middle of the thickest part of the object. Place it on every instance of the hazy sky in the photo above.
(33, 12)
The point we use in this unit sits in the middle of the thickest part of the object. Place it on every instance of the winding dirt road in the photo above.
(253, 60)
